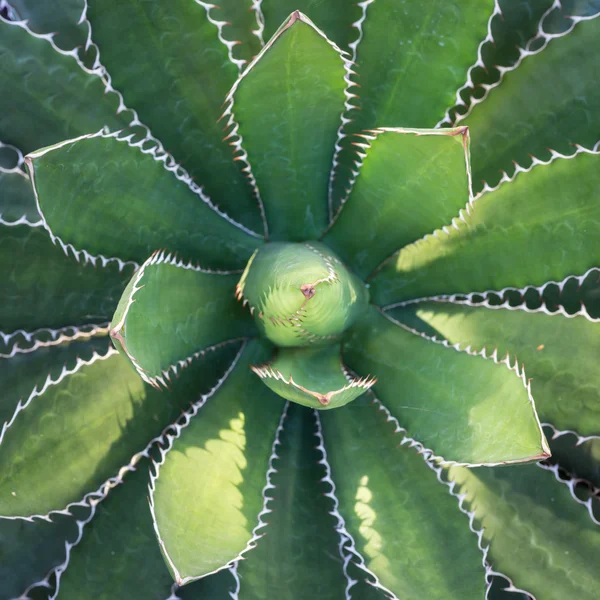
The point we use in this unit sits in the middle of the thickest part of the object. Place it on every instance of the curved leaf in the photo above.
(173, 64)
(16, 198)
(313, 377)
(207, 497)
(548, 102)
(51, 97)
(172, 312)
(518, 235)
(60, 18)
(557, 353)
(44, 288)
(105, 194)
(410, 182)
(288, 105)
(336, 17)
(299, 556)
(515, 506)
(463, 407)
(391, 500)
(84, 425)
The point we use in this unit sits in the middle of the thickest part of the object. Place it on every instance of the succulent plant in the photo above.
(266, 332)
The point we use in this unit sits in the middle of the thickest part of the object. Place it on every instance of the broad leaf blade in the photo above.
(299, 556)
(463, 408)
(87, 424)
(410, 183)
(288, 105)
(518, 235)
(51, 97)
(171, 62)
(216, 469)
(557, 353)
(44, 288)
(548, 102)
(514, 506)
(172, 312)
(390, 499)
(103, 194)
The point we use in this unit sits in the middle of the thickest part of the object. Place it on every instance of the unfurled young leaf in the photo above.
(264, 330)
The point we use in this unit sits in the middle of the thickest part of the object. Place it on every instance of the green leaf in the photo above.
(84, 425)
(44, 288)
(461, 407)
(390, 500)
(103, 193)
(51, 96)
(173, 312)
(518, 235)
(336, 18)
(557, 353)
(29, 550)
(120, 540)
(172, 63)
(60, 18)
(313, 377)
(299, 556)
(241, 26)
(16, 198)
(207, 497)
(25, 365)
(579, 456)
(514, 507)
(288, 106)
(548, 102)
(410, 182)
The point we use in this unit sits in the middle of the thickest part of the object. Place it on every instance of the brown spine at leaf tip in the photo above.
(308, 289)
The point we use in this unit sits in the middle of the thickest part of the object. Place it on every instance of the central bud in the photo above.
(301, 294)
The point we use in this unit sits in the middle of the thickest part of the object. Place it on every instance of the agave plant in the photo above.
(266, 333)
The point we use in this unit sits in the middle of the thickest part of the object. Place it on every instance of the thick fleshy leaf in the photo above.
(241, 26)
(336, 17)
(16, 198)
(172, 312)
(518, 235)
(44, 288)
(60, 18)
(313, 377)
(120, 540)
(208, 494)
(514, 507)
(391, 500)
(29, 550)
(85, 425)
(22, 371)
(548, 102)
(578, 456)
(288, 105)
(51, 97)
(557, 353)
(299, 556)
(462, 407)
(410, 183)
(103, 194)
(171, 61)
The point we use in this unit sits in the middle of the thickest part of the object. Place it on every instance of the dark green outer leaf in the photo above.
(173, 65)
(83, 426)
(513, 507)
(518, 235)
(16, 198)
(288, 106)
(299, 556)
(61, 18)
(336, 18)
(44, 288)
(242, 26)
(390, 500)
(104, 194)
(51, 97)
(548, 102)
